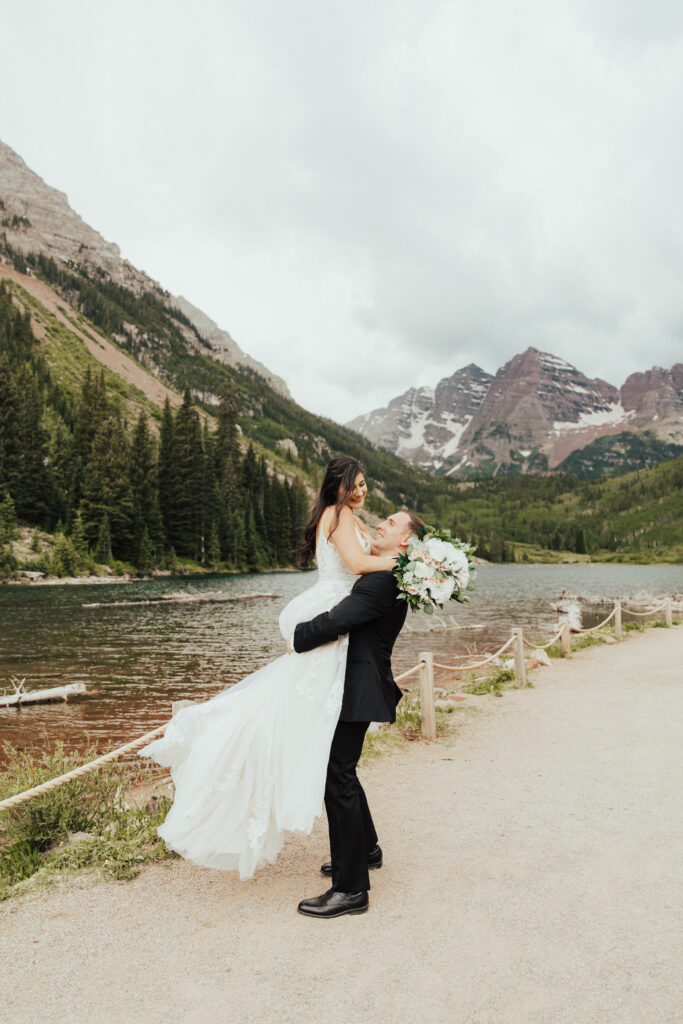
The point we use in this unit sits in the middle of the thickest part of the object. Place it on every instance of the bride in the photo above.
(250, 763)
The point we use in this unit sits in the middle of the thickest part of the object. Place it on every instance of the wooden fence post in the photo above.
(427, 712)
(565, 640)
(617, 620)
(668, 616)
(518, 650)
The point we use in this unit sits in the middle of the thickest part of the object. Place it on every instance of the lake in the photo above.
(137, 658)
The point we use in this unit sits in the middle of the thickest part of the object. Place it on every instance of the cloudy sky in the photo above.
(370, 195)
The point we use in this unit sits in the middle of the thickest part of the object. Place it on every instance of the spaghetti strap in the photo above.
(323, 517)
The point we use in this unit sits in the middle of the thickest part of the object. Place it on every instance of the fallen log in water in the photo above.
(21, 696)
(182, 599)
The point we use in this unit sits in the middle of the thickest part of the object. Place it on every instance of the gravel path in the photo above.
(532, 874)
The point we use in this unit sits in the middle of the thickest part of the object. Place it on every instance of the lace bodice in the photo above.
(334, 582)
(331, 566)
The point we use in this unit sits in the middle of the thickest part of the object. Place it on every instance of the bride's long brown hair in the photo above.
(336, 489)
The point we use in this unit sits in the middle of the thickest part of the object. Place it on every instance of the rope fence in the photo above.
(113, 755)
(424, 668)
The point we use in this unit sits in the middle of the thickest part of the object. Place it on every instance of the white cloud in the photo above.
(368, 196)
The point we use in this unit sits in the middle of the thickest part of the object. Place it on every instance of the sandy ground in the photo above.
(533, 874)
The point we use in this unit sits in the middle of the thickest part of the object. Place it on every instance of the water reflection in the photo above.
(138, 658)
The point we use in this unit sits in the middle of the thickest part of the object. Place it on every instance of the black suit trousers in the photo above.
(352, 832)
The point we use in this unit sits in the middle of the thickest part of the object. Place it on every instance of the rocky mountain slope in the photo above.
(529, 417)
(94, 313)
(37, 219)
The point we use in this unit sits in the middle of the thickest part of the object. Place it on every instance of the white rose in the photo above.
(421, 570)
(456, 559)
(462, 577)
(441, 592)
(436, 549)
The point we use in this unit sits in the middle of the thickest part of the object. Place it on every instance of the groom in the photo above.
(372, 615)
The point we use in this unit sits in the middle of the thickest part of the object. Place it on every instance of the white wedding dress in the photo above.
(251, 763)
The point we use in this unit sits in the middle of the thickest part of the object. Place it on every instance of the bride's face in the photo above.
(360, 489)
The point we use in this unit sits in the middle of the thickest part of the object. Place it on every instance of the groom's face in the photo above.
(394, 533)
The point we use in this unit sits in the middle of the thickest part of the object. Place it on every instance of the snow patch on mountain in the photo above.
(615, 414)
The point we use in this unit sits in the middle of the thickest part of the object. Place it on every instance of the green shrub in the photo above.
(121, 838)
(8, 563)
(587, 640)
(17, 862)
(65, 558)
(494, 682)
(132, 842)
(85, 803)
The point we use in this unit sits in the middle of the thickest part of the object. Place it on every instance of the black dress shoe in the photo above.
(334, 904)
(374, 861)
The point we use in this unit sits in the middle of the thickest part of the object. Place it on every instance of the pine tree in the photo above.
(143, 487)
(270, 515)
(167, 471)
(65, 560)
(91, 412)
(106, 488)
(252, 545)
(170, 560)
(299, 512)
(284, 542)
(103, 547)
(214, 547)
(78, 537)
(185, 529)
(226, 447)
(34, 495)
(8, 520)
(239, 542)
(10, 445)
(145, 556)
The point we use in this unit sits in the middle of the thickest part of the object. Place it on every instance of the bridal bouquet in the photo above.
(434, 570)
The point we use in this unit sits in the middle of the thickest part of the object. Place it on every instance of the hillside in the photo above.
(37, 219)
(637, 517)
(619, 453)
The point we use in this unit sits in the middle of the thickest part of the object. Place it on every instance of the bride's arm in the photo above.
(347, 544)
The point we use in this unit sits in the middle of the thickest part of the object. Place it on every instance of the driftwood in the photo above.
(182, 599)
(22, 696)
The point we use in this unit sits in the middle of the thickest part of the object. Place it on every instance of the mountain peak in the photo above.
(38, 219)
(530, 415)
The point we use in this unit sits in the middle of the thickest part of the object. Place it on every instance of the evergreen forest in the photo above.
(113, 491)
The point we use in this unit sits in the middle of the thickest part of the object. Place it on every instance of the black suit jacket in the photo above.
(372, 615)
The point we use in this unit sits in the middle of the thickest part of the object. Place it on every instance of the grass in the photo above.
(69, 358)
(406, 729)
(537, 554)
(495, 682)
(579, 643)
(120, 836)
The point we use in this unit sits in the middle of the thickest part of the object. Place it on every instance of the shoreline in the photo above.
(70, 581)
(46, 581)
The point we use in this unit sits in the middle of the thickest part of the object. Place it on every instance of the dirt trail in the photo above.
(533, 874)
